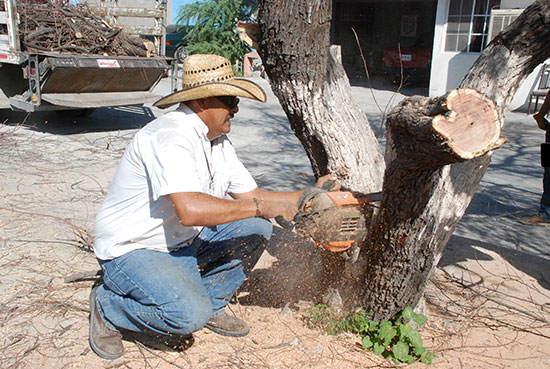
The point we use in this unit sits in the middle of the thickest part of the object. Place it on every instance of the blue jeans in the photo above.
(178, 292)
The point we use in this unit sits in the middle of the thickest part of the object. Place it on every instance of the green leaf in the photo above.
(387, 332)
(367, 343)
(407, 312)
(419, 351)
(385, 328)
(401, 351)
(373, 326)
(406, 331)
(416, 339)
(427, 359)
(419, 319)
(358, 322)
(378, 349)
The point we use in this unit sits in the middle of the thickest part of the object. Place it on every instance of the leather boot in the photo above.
(228, 325)
(104, 341)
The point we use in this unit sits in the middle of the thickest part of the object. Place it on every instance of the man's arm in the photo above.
(545, 108)
(540, 116)
(200, 209)
(258, 193)
(276, 196)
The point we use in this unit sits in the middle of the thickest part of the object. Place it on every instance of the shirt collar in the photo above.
(198, 124)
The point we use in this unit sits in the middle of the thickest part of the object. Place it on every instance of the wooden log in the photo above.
(76, 29)
(150, 47)
(429, 133)
(39, 32)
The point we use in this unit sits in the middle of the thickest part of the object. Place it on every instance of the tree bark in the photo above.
(424, 197)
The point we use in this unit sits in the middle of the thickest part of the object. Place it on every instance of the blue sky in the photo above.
(176, 6)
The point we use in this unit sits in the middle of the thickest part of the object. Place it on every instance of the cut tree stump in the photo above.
(461, 125)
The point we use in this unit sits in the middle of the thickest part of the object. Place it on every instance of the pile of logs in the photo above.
(51, 26)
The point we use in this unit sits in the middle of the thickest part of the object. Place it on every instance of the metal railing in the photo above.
(9, 33)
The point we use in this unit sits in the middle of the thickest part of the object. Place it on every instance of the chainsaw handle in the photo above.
(284, 223)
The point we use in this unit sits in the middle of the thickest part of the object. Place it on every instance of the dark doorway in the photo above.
(395, 36)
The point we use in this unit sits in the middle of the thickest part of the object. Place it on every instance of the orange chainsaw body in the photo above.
(337, 220)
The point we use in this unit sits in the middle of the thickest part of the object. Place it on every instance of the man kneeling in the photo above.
(173, 247)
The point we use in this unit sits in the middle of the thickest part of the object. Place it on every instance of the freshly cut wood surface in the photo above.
(472, 124)
(429, 133)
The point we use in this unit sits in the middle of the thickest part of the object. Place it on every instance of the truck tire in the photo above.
(180, 54)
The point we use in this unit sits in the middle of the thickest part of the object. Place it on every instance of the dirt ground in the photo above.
(483, 311)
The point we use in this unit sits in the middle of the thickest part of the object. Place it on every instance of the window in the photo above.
(468, 24)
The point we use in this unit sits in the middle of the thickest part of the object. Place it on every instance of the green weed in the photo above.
(394, 339)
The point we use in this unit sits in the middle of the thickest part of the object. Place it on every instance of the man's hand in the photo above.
(272, 208)
(329, 178)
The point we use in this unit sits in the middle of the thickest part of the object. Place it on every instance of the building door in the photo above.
(395, 36)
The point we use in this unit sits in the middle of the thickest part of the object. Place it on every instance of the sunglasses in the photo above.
(229, 101)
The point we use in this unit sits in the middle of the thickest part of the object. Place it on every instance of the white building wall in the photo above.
(448, 68)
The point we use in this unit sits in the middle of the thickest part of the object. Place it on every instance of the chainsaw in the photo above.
(334, 220)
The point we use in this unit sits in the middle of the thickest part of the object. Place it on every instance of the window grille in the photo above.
(468, 25)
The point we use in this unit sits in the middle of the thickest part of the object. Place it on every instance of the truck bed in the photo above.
(85, 74)
(32, 80)
(83, 81)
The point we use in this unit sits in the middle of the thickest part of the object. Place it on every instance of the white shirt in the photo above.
(171, 154)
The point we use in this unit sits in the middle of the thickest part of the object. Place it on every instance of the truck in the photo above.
(36, 81)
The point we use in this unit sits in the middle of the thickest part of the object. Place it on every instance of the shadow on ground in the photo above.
(461, 249)
(68, 122)
(160, 342)
(293, 271)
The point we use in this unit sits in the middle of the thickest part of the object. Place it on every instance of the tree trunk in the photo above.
(423, 196)
(314, 91)
(424, 136)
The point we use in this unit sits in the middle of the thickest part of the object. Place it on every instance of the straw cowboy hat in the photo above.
(206, 75)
